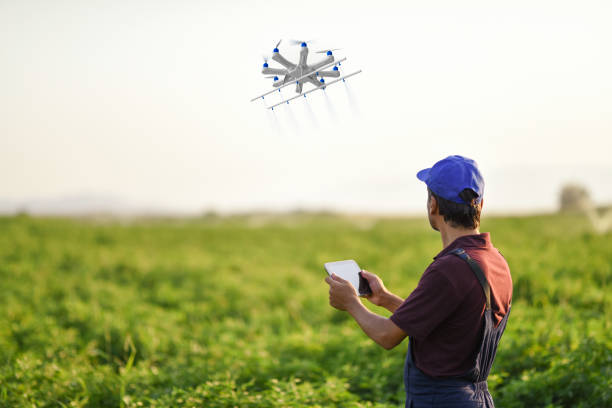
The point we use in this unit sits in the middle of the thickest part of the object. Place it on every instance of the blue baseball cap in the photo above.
(450, 176)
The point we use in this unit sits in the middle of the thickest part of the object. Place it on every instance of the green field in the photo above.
(233, 311)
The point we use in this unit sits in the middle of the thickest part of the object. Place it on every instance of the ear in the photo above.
(433, 205)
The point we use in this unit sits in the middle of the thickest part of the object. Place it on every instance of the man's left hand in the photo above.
(341, 293)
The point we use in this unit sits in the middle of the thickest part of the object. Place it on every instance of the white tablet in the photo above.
(349, 270)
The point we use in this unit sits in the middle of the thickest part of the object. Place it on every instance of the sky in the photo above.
(147, 103)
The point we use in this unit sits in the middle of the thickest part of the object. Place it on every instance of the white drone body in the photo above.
(301, 73)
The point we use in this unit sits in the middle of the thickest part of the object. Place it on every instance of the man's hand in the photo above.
(342, 294)
(379, 292)
(380, 295)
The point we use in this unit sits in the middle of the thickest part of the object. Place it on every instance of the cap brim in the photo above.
(423, 175)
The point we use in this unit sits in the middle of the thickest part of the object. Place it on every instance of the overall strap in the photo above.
(460, 252)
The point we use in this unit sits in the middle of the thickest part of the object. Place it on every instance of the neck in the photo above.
(449, 234)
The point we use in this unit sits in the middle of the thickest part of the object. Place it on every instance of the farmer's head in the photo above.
(455, 188)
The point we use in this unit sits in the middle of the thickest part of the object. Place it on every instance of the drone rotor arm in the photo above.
(323, 63)
(283, 61)
(329, 74)
(274, 71)
(303, 56)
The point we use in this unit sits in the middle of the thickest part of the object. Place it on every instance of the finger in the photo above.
(331, 282)
(337, 278)
(372, 279)
(367, 275)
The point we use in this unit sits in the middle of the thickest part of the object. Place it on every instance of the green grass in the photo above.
(233, 311)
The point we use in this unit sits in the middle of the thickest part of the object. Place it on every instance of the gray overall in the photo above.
(470, 389)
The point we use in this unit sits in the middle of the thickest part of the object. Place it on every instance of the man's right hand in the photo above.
(380, 295)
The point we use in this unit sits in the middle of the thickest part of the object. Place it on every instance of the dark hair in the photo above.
(460, 215)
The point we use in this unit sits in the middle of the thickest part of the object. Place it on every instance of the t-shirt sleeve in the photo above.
(433, 300)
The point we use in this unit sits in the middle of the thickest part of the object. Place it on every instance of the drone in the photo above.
(302, 73)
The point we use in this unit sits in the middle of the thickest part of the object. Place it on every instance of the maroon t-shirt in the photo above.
(444, 314)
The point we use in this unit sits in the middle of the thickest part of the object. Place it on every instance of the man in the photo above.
(458, 311)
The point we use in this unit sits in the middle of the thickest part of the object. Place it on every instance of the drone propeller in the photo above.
(276, 46)
(299, 42)
(326, 51)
